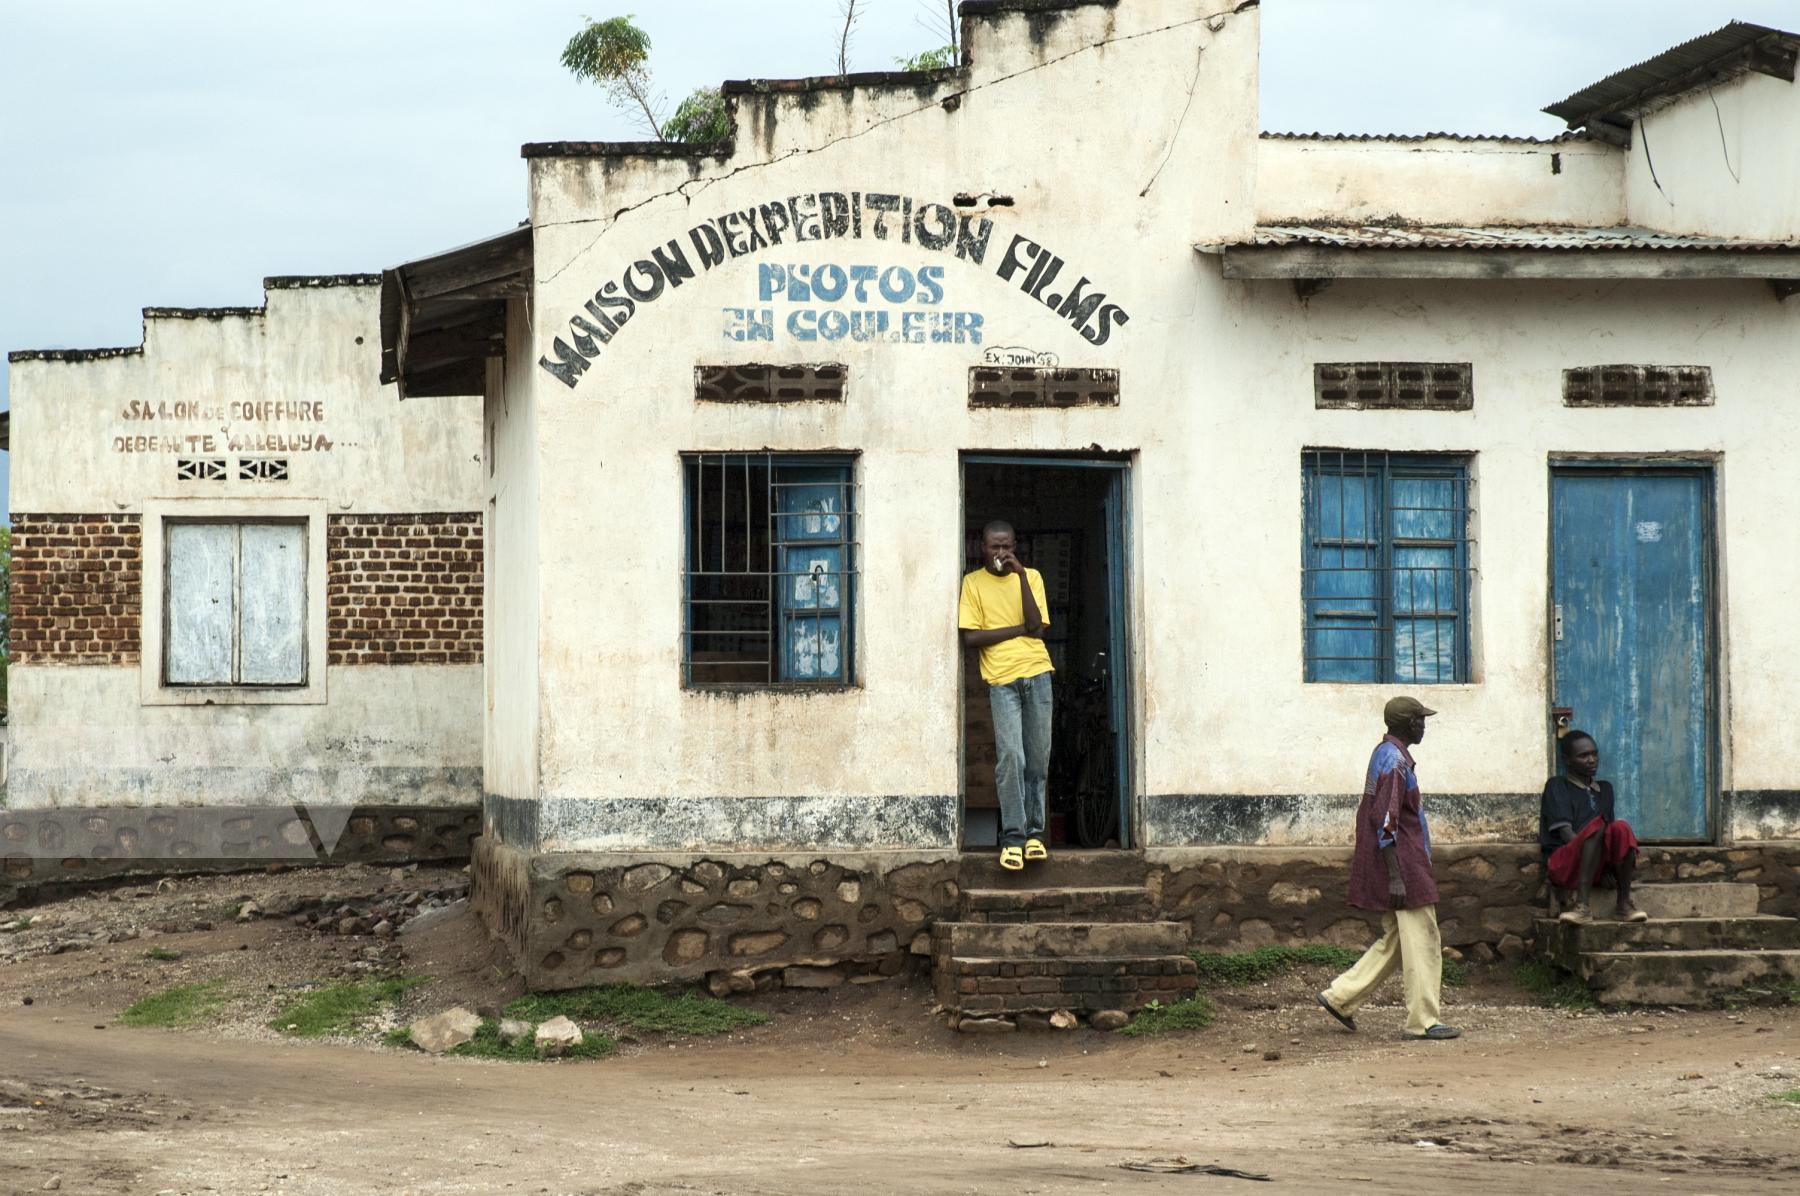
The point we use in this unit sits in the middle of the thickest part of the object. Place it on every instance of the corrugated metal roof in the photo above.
(1692, 64)
(1536, 236)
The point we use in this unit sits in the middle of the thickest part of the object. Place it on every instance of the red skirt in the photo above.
(1616, 842)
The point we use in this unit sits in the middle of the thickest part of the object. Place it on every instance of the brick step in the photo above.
(1566, 944)
(1078, 903)
(1067, 868)
(1686, 899)
(1059, 940)
(1684, 977)
(981, 984)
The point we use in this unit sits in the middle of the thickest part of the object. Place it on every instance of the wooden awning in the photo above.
(442, 317)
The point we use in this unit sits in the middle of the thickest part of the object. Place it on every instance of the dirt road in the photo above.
(854, 1090)
(1684, 1109)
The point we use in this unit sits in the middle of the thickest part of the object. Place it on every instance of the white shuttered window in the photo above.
(236, 604)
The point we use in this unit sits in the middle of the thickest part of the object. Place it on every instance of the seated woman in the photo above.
(1581, 839)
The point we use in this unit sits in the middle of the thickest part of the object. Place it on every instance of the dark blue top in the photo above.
(1567, 804)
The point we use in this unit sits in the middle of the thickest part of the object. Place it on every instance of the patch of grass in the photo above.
(646, 1009)
(1250, 967)
(1553, 986)
(162, 954)
(1776, 993)
(1791, 1096)
(338, 1007)
(487, 1045)
(1234, 969)
(183, 1005)
(399, 1036)
(1195, 1013)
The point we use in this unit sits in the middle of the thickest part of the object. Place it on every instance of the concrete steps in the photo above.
(1108, 903)
(1702, 940)
(1686, 977)
(1074, 933)
(1059, 940)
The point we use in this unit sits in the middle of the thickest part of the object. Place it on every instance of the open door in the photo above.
(1070, 515)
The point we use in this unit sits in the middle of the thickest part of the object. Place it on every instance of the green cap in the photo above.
(1398, 709)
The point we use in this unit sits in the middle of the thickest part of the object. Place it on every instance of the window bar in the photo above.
(772, 669)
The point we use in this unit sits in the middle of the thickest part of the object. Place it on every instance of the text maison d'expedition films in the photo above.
(825, 216)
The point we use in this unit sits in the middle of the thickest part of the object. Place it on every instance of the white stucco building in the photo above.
(1291, 423)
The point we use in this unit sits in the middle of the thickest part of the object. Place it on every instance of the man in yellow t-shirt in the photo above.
(1002, 613)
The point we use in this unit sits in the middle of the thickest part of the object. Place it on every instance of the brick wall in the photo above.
(1012, 986)
(77, 583)
(404, 589)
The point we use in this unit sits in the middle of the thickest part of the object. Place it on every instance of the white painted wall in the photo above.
(1439, 180)
(615, 720)
(1729, 171)
(316, 351)
(95, 736)
(1218, 406)
(511, 578)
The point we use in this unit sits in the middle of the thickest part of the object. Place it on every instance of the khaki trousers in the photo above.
(1409, 939)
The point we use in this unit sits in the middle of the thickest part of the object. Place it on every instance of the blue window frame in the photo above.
(769, 583)
(1385, 572)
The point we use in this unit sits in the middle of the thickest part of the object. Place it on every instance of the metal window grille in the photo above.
(770, 570)
(1638, 386)
(1394, 385)
(262, 469)
(1042, 386)
(200, 469)
(769, 383)
(1386, 574)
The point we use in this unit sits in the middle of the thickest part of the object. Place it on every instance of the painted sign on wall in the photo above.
(893, 304)
(902, 291)
(239, 426)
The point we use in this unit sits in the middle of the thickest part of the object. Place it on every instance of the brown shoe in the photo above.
(1629, 912)
(1579, 916)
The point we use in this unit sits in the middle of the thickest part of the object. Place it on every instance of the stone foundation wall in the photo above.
(1250, 897)
(576, 919)
(742, 921)
(58, 848)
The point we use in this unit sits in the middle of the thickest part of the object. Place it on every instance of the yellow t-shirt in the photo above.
(990, 601)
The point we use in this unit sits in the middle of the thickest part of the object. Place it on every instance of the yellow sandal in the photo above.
(1035, 850)
(1012, 859)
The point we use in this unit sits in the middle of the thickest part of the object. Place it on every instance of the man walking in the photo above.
(1391, 872)
(1002, 613)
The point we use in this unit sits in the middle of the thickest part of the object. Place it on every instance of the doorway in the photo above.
(1070, 516)
(1631, 635)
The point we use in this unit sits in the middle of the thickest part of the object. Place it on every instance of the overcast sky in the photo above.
(172, 153)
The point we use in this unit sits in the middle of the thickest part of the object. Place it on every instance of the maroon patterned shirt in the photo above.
(1392, 813)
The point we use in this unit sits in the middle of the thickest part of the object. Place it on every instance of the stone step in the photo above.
(1687, 899)
(1079, 903)
(1566, 944)
(978, 984)
(1059, 940)
(1684, 977)
(1066, 868)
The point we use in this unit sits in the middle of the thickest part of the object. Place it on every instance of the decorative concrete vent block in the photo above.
(1042, 386)
(1638, 386)
(770, 383)
(1394, 386)
(200, 469)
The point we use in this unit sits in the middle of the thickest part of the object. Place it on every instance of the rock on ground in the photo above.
(441, 1031)
(1109, 1019)
(986, 1025)
(512, 1029)
(1064, 1019)
(556, 1036)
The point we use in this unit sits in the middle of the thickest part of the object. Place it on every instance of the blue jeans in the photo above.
(1022, 742)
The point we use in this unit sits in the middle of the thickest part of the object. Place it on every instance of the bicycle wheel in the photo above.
(1096, 798)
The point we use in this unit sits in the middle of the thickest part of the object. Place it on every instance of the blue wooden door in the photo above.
(1629, 562)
